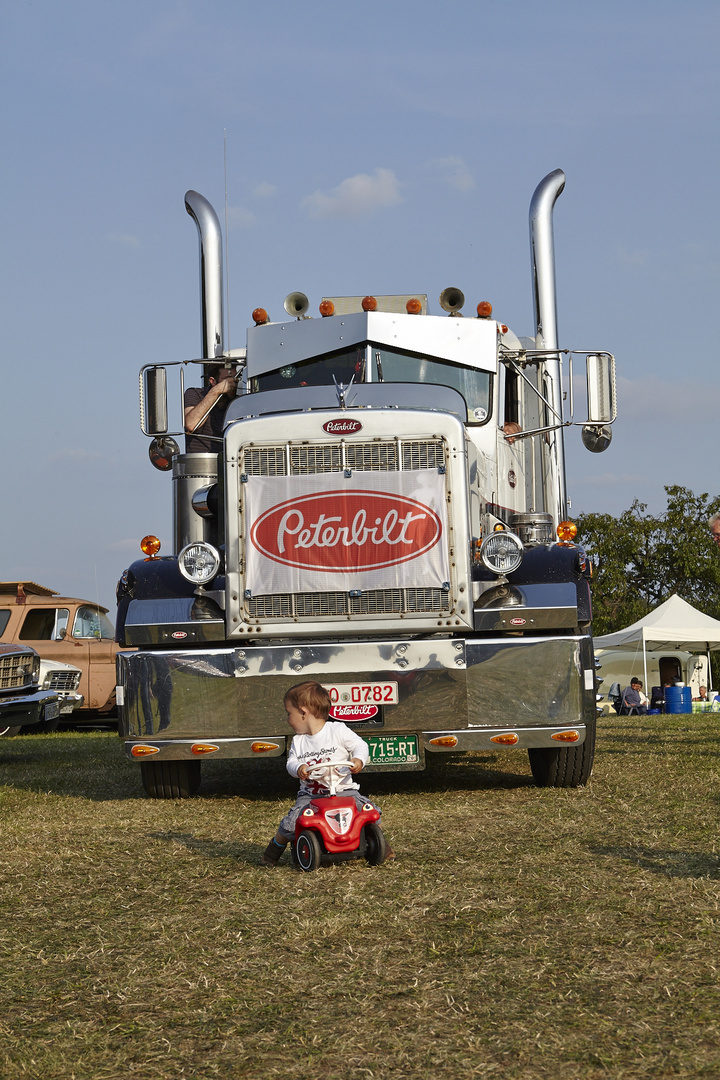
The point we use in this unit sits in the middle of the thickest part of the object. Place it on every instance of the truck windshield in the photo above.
(91, 623)
(318, 371)
(388, 365)
(391, 365)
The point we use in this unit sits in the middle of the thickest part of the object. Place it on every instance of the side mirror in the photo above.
(153, 403)
(601, 396)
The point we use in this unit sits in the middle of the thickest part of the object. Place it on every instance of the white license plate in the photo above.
(363, 693)
(52, 710)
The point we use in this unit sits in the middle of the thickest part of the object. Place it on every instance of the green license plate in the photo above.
(393, 749)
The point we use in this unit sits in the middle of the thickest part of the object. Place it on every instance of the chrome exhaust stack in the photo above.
(542, 251)
(211, 274)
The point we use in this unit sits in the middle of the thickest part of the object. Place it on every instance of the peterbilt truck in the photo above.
(385, 513)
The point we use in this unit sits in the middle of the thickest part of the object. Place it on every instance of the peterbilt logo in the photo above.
(342, 427)
(353, 714)
(341, 531)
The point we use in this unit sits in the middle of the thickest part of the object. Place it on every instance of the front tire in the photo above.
(6, 731)
(566, 767)
(308, 852)
(170, 779)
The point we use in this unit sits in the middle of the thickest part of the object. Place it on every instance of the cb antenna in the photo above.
(227, 248)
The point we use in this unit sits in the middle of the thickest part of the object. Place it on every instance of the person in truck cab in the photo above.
(205, 410)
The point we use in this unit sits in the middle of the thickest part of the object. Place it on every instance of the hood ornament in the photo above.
(341, 389)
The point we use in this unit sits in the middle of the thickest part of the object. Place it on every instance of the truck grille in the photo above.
(376, 456)
(379, 455)
(63, 681)
(15, 672)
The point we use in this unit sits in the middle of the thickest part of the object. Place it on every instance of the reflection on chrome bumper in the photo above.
(473, 685)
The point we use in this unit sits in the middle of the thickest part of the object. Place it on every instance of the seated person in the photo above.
(632, 704)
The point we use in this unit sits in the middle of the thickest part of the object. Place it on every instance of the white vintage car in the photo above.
(64, 679)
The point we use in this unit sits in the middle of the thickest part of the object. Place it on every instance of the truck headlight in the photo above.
(199, 563)
(502, 552)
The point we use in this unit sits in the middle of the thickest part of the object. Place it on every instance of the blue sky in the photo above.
(380, 147)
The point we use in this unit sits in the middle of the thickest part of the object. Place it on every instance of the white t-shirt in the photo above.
(334, 742)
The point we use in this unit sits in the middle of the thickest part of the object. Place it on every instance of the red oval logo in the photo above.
(517, 622)
(342, 427)
(179, 634)
(353, 714)
(342, 531)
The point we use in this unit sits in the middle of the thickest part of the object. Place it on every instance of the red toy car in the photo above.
(332, 828)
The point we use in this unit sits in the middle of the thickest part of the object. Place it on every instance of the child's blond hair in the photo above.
(311, 696)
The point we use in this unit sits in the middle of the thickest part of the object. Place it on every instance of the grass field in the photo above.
(520, 933)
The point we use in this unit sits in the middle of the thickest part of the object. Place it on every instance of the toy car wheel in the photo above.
(308, 852)
(375, 844)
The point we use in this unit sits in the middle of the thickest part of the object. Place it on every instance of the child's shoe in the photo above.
(271, 854)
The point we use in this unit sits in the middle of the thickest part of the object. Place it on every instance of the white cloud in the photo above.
(358, 195)
(240, 218)
(124, 239)
(645, 401)
(454, 172)
(632, 259)
(264, 190)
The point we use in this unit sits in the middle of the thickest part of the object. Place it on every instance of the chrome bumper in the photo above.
(26, 709)
(476, 688)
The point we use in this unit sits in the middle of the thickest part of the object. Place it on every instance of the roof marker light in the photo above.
(484, 309)
(369, 303)
(413, 306)
(327, 308)
(260, 316)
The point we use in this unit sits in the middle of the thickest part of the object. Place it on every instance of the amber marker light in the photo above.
(201, 748)
(369, 303)
(413, 306)
(484, 309)
(144, 751)
(566, 736)
(150, 545)
(260, 316)
(567, 531)
(508, 739)
(326, 308)
(444, 740)
(263, 747)
(499, 527)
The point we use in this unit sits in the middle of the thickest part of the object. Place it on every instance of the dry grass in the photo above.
(520, 933)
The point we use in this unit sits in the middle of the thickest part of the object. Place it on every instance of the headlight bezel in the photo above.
(500, 546)
(210, 562)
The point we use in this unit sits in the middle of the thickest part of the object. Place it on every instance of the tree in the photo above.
(640, 560)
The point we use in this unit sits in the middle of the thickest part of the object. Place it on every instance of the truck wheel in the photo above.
(375, 844)
(566, 767)
(6, 731)
(308, 852)
(170, 779)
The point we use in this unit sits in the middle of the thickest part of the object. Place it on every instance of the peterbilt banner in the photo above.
(329, 532)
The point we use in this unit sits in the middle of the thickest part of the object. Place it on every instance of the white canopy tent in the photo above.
(673, 625)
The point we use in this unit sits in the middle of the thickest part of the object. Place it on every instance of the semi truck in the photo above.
(385, 512)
